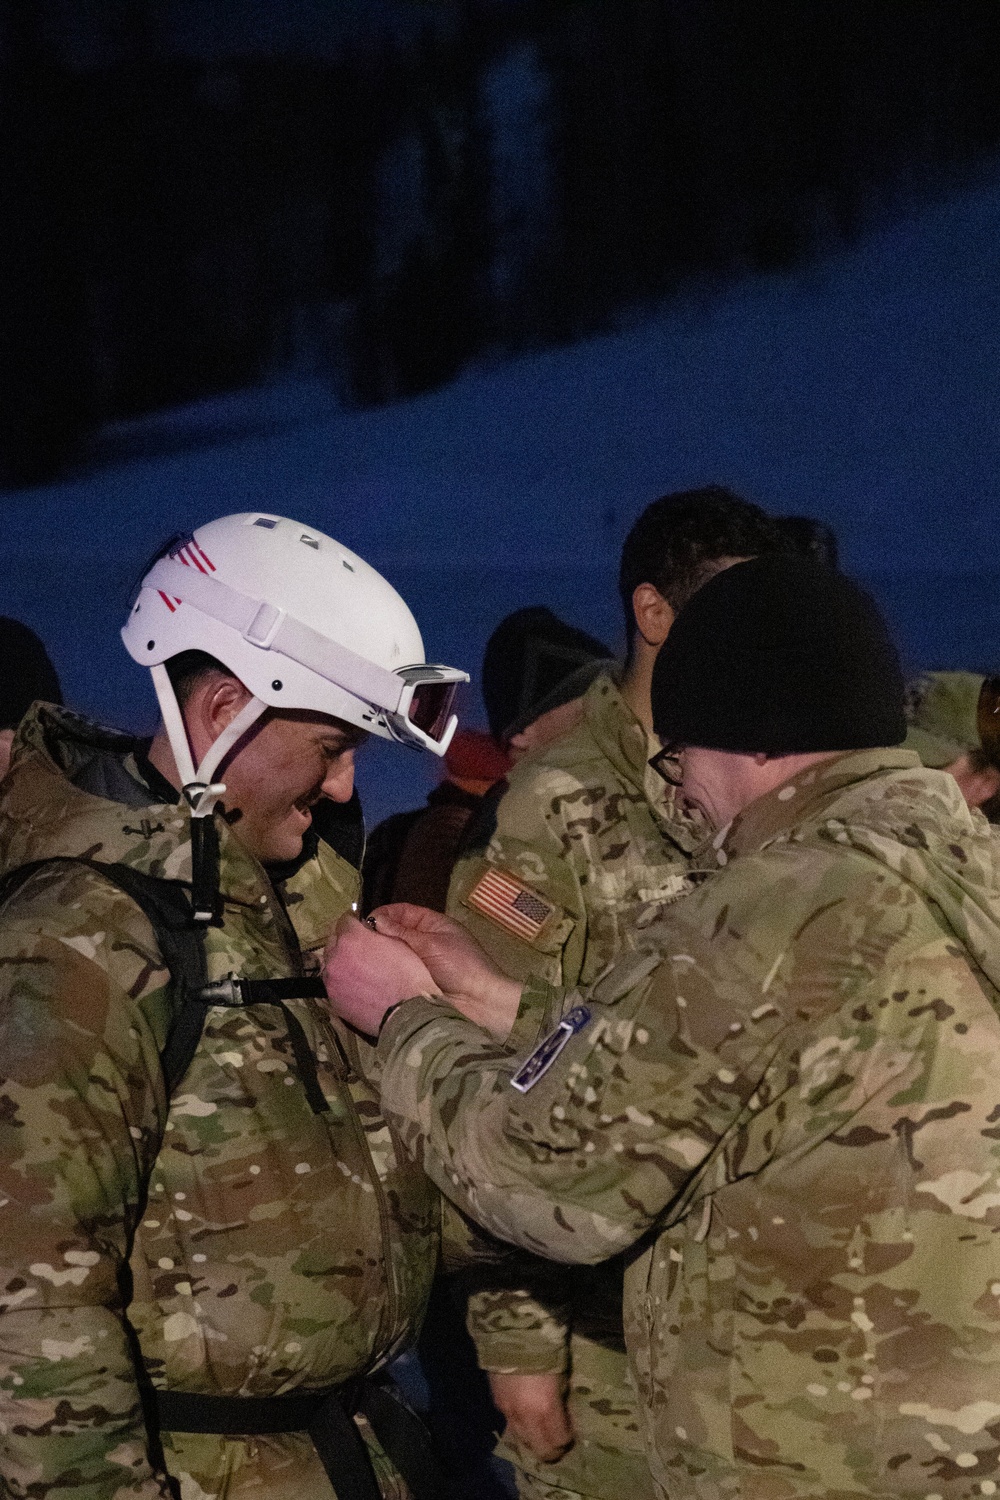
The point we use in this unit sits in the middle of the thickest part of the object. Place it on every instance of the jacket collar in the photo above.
(76, 788)
(804, 798)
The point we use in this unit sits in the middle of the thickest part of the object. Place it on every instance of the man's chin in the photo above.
(285, 843)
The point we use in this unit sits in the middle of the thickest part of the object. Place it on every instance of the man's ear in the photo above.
(212, 707)
(653, 615)
(224, 700)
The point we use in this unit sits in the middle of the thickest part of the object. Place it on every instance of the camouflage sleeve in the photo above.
(520, 841)
(82, 1111)
(515, 1305)
(672, 1054)
(520, 1322)
(611, 1135)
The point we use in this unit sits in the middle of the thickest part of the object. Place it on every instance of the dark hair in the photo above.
(679, 541)
(811, 538)
(186, 670)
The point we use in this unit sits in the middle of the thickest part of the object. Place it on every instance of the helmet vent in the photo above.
(347, 565)
(266, 522)
(309, 541)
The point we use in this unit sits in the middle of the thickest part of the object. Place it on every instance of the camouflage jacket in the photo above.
(243, 1243)
(592, 831)
(789, 1108)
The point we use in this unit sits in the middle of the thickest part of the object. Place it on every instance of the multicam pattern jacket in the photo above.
(789, 1107)
(243, 1243)
(589, 827)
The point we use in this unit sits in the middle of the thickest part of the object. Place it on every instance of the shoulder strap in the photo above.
(181, 940)
(167, 907)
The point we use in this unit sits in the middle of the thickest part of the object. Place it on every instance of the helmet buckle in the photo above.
(201, 794)
(264, 626)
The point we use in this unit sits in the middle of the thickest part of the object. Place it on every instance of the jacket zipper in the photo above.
(391, 1281)
(294, 952)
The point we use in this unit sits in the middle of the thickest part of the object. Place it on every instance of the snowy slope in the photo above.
(863, 391)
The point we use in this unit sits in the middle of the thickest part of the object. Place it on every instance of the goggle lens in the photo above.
(430, 707)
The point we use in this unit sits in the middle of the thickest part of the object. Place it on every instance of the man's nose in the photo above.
(339, 782)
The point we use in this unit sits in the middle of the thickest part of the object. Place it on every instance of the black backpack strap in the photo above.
(167, 907)
(181, 940)
(181, 937)
(327, 1416)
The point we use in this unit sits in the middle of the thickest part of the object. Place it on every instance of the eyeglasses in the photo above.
(666, 763)
(988, 719)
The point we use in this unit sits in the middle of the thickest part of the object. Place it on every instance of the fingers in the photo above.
(552, 1436)
(344, 925)
(402, 917)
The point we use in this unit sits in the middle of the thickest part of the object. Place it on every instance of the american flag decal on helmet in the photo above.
(191, 555)
(510, 903)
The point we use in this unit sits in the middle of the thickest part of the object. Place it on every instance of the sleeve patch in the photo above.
(540, 1061)
(510, 903)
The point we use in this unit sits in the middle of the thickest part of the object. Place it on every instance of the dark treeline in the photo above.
(524, 174)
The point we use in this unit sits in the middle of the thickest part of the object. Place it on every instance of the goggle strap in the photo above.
(269, 628)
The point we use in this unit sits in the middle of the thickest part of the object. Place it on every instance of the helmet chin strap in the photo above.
(200, 792)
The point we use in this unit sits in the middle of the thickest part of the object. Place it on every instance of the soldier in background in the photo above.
(535, 669)
(409, 856)
(954, 720)
(785, 1103)
(27, 676)
(585, 849)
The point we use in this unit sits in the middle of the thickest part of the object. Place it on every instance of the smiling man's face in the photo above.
(279, 772)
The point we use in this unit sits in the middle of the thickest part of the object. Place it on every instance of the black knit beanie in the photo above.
(781, 655)
(25, 673)
(533, 663)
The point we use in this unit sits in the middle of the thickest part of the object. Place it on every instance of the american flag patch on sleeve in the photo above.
(510, 903)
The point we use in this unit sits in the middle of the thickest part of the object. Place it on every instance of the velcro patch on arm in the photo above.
(510, 903)
(540, 1061)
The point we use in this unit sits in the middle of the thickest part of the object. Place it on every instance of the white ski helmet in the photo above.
(302, 622)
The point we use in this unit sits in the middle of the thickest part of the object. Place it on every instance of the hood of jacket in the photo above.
(75, 788)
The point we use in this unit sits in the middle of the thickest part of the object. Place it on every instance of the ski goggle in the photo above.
(428, 707)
